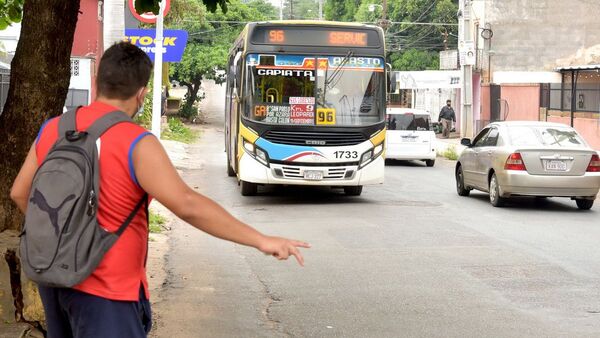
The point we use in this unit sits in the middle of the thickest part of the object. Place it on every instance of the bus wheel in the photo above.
(248, 188)
(355, 190)
(230, 171)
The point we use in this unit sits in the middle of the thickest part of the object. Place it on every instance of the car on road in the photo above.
(410, 135)
(538, 159)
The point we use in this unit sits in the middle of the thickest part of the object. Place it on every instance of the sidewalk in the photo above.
(442, 144)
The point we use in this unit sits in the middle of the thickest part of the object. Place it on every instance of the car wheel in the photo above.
(460, 183)
(495, 197)
(248, 188)
(584, 204)
(430, 163)
(355, 190)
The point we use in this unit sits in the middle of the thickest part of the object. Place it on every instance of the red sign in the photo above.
(148, 17)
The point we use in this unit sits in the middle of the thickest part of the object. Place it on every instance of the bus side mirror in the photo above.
(391, 79)
(235, 95)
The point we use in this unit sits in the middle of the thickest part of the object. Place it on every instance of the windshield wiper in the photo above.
(337, 71)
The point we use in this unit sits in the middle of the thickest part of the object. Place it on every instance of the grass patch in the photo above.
(156, 222)
(450, 153)
(177, 131)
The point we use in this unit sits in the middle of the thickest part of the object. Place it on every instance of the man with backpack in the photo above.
(85, 187)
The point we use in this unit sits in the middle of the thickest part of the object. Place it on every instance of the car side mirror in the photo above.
(466, 142)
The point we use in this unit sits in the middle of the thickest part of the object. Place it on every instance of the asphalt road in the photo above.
(409, 258)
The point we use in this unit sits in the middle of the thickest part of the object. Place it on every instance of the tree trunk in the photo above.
(192, 94)
(39, 82)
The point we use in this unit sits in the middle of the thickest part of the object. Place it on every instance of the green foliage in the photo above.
(157, 222)
(342, 10)
(414, 59)
(188, 112)
(145, 119)
(145, 6)
(300, 9)
(177, 131)
(210, 37)
(11, 11)
(450, 153)
(410, 46)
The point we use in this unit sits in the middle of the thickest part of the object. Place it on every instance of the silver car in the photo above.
(539, 159)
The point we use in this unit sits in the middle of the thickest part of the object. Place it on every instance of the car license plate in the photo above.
(555, 165)
(313, 175)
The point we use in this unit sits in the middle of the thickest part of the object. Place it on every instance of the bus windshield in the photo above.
(314, 90)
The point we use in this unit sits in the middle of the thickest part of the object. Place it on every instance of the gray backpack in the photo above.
(61, 241)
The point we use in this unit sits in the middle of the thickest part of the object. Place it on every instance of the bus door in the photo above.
(235, 107)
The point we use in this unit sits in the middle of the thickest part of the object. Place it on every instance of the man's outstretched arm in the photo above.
(157, 176)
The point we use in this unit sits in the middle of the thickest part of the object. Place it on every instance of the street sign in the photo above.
(148, 17)
(174, 42)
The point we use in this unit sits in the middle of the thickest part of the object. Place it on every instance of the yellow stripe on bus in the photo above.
(378, 138)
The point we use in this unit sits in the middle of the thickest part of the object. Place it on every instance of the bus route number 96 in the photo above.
(325, 116)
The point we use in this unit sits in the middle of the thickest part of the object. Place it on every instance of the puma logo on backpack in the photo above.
(61, 241)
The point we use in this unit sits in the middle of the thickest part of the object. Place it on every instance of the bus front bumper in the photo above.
(250, 170)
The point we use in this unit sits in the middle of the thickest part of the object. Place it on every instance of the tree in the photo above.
(210, 37)
(414, 59)
(10, 11)
(301, 9)
(341, 10)
(40, 74)
(39, 81)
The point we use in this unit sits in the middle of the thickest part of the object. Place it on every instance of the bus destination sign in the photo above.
(317, 36)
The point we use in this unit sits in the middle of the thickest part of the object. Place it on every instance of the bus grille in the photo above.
(334, 173)
(301, 138)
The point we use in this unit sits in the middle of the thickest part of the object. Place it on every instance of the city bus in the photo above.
(305, 105)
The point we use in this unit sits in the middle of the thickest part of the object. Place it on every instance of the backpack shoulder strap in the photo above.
(105, 122)
(67, 122)
(143, 201)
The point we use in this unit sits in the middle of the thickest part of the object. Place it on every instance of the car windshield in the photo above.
(321, 91)
(545, 136)
(418, 122)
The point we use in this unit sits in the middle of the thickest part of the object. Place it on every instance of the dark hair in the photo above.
(123, 70)
(448, 101)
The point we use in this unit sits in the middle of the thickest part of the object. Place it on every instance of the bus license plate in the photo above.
(556, 166)
(313, 175)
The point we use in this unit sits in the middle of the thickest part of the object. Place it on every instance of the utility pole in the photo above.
(466, 51)
(281, 10)
(384, 21)
(158, 57)
(320, 9)
(291, 9)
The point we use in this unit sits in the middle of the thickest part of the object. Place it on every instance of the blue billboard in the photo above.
(174, 42)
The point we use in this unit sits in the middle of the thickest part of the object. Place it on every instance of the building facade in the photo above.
(539, 60)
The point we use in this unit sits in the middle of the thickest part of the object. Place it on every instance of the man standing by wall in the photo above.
(447, 116)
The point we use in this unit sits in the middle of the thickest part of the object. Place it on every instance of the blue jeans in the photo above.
(75, 314)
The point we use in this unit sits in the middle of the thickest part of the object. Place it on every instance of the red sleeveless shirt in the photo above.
(122, 271)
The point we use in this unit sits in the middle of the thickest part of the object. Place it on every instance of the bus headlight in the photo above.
(261, 156)
(370, 155)
(249, 147)
(256, 152)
